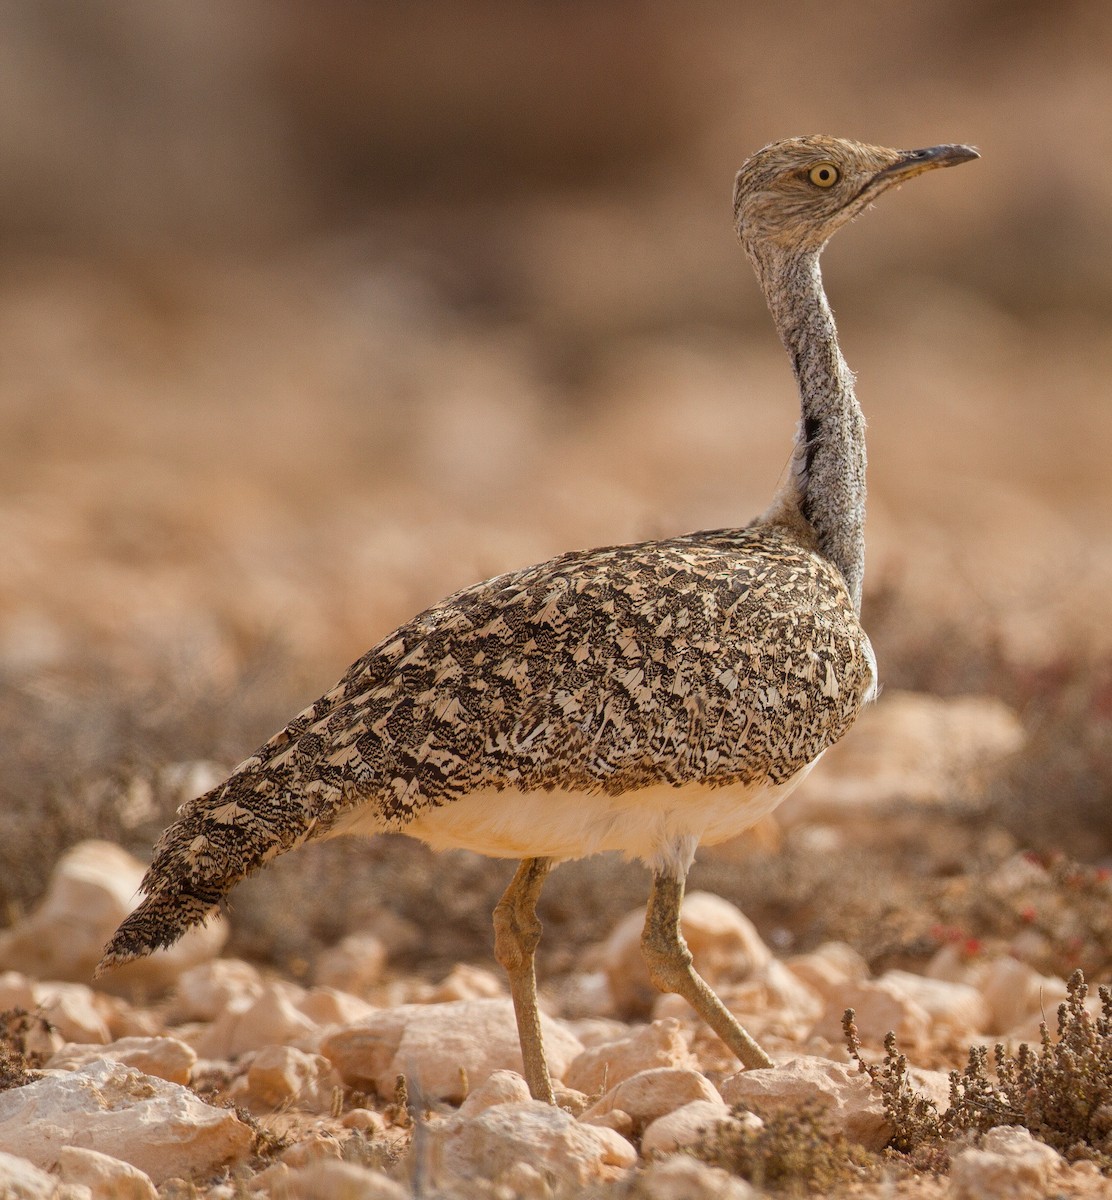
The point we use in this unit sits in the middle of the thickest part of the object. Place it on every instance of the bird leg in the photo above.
(671, 970)
(516, 934)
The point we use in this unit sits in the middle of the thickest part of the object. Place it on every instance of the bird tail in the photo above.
(218, 839)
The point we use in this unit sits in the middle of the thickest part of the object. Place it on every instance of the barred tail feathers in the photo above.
(219, 838)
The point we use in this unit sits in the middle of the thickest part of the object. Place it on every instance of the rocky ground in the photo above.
(411, 320)
(196, 1073)
(943, 872)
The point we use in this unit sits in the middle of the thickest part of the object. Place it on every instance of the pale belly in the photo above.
(659, 825)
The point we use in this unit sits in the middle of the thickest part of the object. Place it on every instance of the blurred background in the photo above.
(311, 313)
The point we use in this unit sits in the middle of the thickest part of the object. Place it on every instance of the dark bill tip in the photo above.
(912, 162)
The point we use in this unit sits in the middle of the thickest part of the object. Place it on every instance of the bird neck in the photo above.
(826, 483)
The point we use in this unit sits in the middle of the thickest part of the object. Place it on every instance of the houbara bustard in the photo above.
(640, 698)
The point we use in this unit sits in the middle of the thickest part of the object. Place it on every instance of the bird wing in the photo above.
(725, 657)
(606, 671)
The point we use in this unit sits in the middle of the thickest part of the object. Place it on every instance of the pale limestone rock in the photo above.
(444, 1049)
(329, 1179)
(660, 1044)
(208, 990)
(138, 1022)
(93, 887)
(355, 964)
(107, 1178)
(792, 1006)
(840, 1089)
(465, 982)
(571, 1100)
(684, 1178)
(1015, 992)
(364, 1052)
(22, 1180)
(71, 1008)
(933, 1085)
(593, 1031)
(270, 1182)
(271, 1019)
(319, 1146)
(164, 1057)
(952, 963)
(499, 1087)
(327, 1006)
(880, 1007)
(1015, 1139)
(550, 1140)
(650, 1094)
(125, 1021)
(955, 1009)
(586, 994)
(906, 747)
(724, 943)
(283, 1077)
(1009, 1165)
(214, 1075)
(17, 991)
(688, 1125)
(366, 1120)
(618, 1120)
(159, 1127)
(829, 969)
(522, 1182)
(774, 1003)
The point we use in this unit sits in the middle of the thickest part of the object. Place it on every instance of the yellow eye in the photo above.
(823, 175)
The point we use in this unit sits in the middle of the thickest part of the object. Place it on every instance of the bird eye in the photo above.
(823, 175)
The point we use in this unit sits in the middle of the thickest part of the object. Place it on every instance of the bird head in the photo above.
(797, 193)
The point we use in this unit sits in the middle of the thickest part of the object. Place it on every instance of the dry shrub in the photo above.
(799, 1151)
(1049, 909)
(18, 1060)
(1061, 1092)
(1055, 795)
(87, 759)
(376, 1153)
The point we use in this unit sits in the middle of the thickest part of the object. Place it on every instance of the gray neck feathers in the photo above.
(827, 478)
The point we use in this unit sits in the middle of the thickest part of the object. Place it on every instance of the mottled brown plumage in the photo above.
(641, 698)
